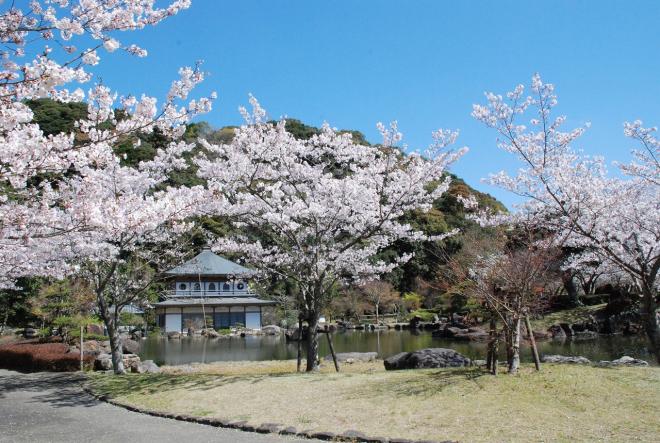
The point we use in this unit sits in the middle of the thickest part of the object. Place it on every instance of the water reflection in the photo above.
(385, 343)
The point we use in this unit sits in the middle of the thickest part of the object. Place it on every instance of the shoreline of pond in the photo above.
(385, 343)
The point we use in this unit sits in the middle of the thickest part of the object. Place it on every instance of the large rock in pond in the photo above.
(624, 361)
(129, 346)
(563, 359)
(173, 335)
(352, 357)
(271, 330)
(426, 358)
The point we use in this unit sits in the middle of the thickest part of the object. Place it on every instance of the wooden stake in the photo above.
(82, 351)
(332, 349)
(299, 344)
(494, 362)
(532, 340)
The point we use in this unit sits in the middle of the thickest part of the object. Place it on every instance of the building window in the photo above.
(211, 286)
(226, 287)
(183, 286)
(197, 287)
(240, 286)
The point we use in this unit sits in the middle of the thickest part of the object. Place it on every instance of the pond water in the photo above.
(385, 343)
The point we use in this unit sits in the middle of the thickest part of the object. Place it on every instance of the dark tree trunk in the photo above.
(312, 341)
(650, 318)
(300, 339)
(514, 359)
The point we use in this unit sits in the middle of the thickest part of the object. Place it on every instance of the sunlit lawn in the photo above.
(561, 403)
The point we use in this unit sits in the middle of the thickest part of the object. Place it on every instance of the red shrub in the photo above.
(41, 357)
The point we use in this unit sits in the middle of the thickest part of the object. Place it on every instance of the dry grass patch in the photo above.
(562, 403)
(271, 367)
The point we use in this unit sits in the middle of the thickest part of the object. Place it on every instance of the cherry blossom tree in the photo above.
(68, 204)
(40, 59)
(322, 207)
(617, 219)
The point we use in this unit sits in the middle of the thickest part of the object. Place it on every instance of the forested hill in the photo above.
(54, 117)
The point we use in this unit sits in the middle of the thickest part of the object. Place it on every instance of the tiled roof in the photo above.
(208, 263)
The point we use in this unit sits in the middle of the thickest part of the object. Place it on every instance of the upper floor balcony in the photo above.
(209, 289)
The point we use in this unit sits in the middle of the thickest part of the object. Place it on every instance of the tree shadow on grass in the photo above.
(422, 384)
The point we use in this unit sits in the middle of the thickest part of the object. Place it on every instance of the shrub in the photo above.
(41, 357)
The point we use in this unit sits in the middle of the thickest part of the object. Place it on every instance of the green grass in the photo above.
(574, 315)
(560, 403)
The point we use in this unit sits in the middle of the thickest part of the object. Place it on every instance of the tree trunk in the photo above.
(4, 322)
(650, 318)
(514, 361)
(312, 342)
(115, 346)
(300, 339)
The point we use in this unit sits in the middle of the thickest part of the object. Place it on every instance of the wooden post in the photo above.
(492, 334)
(332, 349)
(532, 340)
(81, 349)
(299, 344)
(494, 361)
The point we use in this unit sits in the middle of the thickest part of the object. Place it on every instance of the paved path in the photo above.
(52, 407)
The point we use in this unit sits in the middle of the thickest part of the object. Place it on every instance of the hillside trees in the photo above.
(616, 220)
(317, 211)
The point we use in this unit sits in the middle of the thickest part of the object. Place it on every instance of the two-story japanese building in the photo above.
(212, 287)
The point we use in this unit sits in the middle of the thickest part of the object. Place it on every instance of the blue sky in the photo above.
(423, 63)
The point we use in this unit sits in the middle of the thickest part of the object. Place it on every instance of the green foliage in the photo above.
(15, 308)
(130, 319)
(426, 315)
(224, 331)
(412, 301)
(54, 117)
(155, 332)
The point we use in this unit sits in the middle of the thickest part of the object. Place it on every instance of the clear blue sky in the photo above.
(423, 63)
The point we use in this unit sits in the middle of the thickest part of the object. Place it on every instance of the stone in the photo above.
(103, 362)
(269, 428)
(149, 367)
(289, 430)
(173, 335)
(426, 358)
(129, 346)
(95, 329)
(30, 333)
(321, 435)
(624, 361)
(344, 357)
(210, 333)
(271, 330)
(563, 359)
(557, 332)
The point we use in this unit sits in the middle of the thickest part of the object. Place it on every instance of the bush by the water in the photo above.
(29, 356)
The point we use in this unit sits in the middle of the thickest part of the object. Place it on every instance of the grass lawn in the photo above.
(561, 403)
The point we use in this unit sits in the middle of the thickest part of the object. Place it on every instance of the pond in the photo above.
(385, 343)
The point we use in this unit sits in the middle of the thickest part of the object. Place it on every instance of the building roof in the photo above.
(216, 301)
(208, 263)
